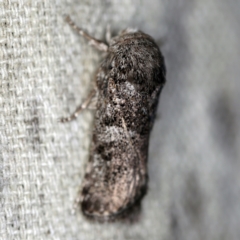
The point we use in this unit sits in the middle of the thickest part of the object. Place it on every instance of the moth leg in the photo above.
(98, 44)
(93, 104)
(78, 110)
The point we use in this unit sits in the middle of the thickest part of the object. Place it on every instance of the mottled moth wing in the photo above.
(129, 82)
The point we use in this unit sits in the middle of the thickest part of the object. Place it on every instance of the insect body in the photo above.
(128, 85)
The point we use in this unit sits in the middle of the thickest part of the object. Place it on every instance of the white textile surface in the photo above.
(46, 70)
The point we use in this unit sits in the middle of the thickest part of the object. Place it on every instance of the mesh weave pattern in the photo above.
(46, 70)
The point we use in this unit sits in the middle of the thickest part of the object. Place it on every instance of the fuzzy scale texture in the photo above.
(46, 70)
(128, 82)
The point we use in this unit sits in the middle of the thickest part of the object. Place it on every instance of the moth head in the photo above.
(127, 31)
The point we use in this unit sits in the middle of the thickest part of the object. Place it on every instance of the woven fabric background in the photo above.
(46, 70)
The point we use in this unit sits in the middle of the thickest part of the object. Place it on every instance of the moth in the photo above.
(128, 84)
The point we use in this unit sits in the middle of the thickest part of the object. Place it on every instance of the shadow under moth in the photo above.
(127, 88)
